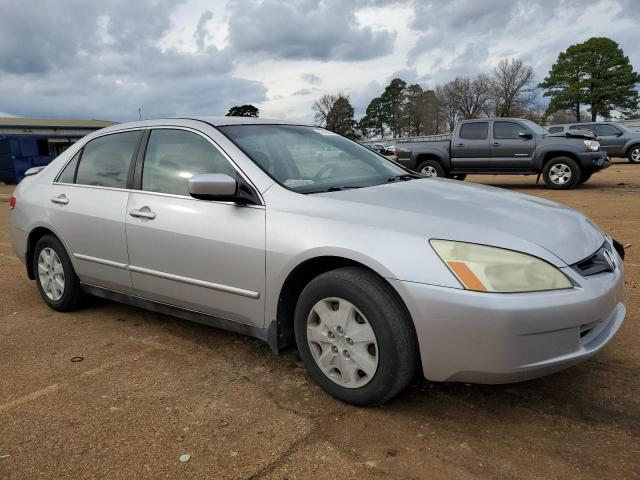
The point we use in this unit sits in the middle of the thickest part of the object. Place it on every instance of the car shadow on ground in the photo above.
(574, 394)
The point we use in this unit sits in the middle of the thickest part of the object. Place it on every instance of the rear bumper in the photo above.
(499, 338)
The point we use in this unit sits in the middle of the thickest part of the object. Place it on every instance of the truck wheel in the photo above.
(431, 168)
(634, 154)
(561, 173)
(355, 337)
(584, 177)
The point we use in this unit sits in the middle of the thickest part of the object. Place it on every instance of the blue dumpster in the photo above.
(19, 153)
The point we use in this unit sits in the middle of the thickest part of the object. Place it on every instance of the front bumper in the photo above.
(594, 161)
(499, 338)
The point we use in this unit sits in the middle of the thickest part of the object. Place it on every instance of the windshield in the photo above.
(534, 127)
(308, 159)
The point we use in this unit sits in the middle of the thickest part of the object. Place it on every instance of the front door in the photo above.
(205, 256)
(510, 151)
(611, 139)
(87, 204)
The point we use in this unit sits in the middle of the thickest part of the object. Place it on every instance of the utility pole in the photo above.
(140, 112)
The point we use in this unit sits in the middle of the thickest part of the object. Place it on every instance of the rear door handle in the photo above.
(496, 144)
(459, 144)
(144, 212)
(60, 199)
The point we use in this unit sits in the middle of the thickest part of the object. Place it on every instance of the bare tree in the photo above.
(512, 87)
(469, 97)
(322, 107)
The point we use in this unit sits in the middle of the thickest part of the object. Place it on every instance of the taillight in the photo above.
(12, 202)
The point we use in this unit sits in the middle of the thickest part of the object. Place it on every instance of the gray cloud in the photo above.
(311, 78)
(102, 59)
(303, 91)
(304, 29)
(201, 33)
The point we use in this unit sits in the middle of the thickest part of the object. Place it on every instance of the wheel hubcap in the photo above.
(342, 342)
(635, 154)
(560, 173)
(51, 274)
(429, 171)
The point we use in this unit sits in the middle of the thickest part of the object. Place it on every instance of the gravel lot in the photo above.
(151, 388)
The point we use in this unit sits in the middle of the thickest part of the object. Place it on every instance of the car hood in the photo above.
(449, 209)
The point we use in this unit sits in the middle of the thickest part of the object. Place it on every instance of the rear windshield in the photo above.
(308, 160)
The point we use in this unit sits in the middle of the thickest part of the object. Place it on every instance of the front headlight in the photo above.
(492, 269)
(592, 145)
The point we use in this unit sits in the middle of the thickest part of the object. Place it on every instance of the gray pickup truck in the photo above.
(508, 146)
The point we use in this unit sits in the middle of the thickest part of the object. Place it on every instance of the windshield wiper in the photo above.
(404, 177)
(341, 187)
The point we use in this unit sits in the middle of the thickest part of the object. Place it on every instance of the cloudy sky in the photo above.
(105, 59)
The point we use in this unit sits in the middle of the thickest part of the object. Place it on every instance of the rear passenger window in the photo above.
(555, 129)
(69, 172)
(174, 156)
(474, 131)
(106, 160)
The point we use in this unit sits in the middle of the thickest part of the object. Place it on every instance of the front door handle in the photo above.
(144, 212)
(496, 144)
(60, 199)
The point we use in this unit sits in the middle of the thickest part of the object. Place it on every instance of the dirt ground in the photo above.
(151, 388)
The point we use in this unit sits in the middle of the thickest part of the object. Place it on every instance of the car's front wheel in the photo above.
(57, 282)
(561, 173)
(355, 336)
(634, 154)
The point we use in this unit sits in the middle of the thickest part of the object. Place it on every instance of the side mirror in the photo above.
(619, 134)
(525, 135)
(221, 187)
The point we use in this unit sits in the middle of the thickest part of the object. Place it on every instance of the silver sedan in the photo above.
(302, 238)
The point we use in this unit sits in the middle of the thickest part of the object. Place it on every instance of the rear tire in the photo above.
(431, 168)
(561, 173)
(56, 279)
(355, 337)
(634, 154)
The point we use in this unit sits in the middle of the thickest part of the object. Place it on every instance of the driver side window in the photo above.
(174, 156)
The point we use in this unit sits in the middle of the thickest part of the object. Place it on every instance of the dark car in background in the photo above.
(506, 146)
(617, 140)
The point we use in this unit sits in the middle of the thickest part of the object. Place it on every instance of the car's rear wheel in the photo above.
(431, 168)
(561, 173)
(355, 336)
(57, 282)
(634, 154)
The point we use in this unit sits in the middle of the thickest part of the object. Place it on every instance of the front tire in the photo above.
(56, 279)
(355, 337)
(634, 154)
(561, 173)
(584, 178)
(431, 168)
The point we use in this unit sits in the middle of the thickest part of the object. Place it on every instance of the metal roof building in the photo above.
(31, 142)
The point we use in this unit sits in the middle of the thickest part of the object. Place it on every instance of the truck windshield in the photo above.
(311, 160)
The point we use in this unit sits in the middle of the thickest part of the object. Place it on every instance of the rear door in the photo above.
(87, 206)
(206, 256)
(470, 148)
(510, 150)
